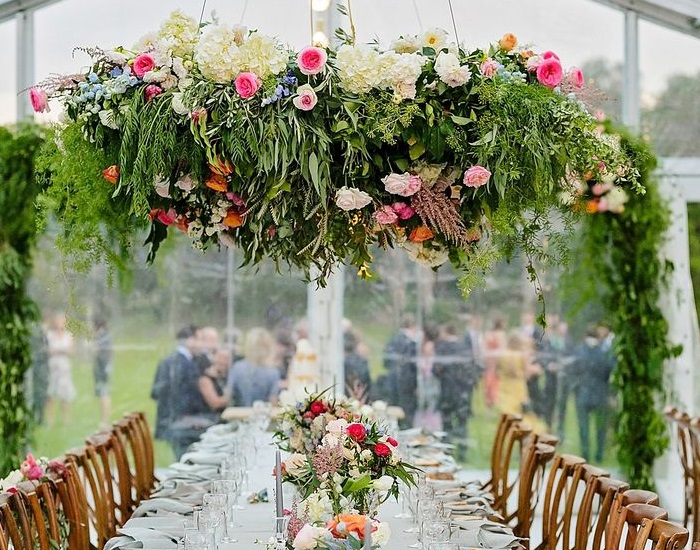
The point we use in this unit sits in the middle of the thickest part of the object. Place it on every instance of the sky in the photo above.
(576, 29)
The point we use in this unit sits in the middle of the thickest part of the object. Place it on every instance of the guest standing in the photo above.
(102, 369)
(256, 377)
(61, 387)
(400, 364)
(356, 366)
(594, 364)
(214, 393)
(428, 413)
(38, 375)
(494, 345)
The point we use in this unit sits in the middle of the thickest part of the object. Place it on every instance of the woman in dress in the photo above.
(212, 384)
(256, 377)
(61, 387)
(494, 346)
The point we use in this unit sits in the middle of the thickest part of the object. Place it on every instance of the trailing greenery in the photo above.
(620, 255)
(18, 229)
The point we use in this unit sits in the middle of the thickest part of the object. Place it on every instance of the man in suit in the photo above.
(593, 366)
(400, 356)
(174, 384)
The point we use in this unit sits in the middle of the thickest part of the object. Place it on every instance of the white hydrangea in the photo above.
(402, 72)
(450, 71)
(217, 54)
(181, 32)
(360, 68)
(263, 56)
(146, 42)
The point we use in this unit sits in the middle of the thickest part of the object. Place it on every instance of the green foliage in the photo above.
(620, 254)
(18, 191)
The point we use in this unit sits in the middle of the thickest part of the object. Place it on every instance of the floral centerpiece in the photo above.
(354, 464)
(312, 157)
(343, 532)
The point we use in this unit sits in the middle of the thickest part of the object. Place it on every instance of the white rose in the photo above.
(337, 426)
(366, 455)
(351, 199)
(308, 537)
(178, 104)
(382, 534)
(296, 464)
(384, 483)
(379, 405)
(162, 187)
(401, 184)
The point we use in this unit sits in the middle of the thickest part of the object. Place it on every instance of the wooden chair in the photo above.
(98, 492)
(627, 522)
(533, 463)
(142, 433)
(129, 432)
(662, 534)
(496, 450)
(15, 522)
(565, 477)
(515, 439)
(680, 423)
(692, 491)
(606, 490)
(118, 479)
(75, 491)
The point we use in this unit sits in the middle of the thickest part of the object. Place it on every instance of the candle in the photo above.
(368, 534)
(278, 486)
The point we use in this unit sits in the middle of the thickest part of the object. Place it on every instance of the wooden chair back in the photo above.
(662, 534)
(515, 439)
(680, 423)
(14, 520)
(626, 522)
(98, 492)
(114, 465)
(534, 460)
(565, 478)
(606, 490)
(130, 436)
(142, 433)
(75, 492)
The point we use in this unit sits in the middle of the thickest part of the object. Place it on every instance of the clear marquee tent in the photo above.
(635, 32)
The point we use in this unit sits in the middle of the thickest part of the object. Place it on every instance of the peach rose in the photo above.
(420, 234)
(507, 42)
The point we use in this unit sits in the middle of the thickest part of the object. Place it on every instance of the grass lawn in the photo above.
(135, 363)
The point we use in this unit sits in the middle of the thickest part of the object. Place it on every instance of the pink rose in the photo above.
(489, 68)
(306, 98)
(152, 90)
(247, 84)
(550, 55)
(312, 60)
(476, 176)
(386, 215)
(402, 184)
(40, 100)
(35, 472)
(549, 73)
(403, 211)
(574, 76)
(166, 218)
(142, 64)
(601, 188)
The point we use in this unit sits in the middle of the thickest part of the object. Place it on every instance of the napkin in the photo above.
(202, 457)
(160, 505)
(487, 534)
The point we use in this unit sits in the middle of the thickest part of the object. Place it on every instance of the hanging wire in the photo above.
(201, 14)
(454, 23)
(415, 9)
(311, 21)
(245, 9)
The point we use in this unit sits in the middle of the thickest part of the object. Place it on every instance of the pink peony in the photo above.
(476, 176)
(247, 84)
(403, 211)
(386, 215)
(550, 55)
(40, 100)
(152, 90)
(142, 64)
(549, 73)
(489, 68)
(574, 76)
(402, 184)
(306, 98)
(312, 60)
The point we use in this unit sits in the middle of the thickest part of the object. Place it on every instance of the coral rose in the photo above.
(142, 64)
(507, 42)
(476, 176)
(343, 524)
(312, 60)
(247, 84)
(357, 431)
(233, 219)
(549, 72)
(111, 174)
(420, 234)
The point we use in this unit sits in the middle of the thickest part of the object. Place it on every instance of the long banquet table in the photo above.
(159, 523)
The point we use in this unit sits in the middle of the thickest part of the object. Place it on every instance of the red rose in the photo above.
(380, 449)
(356, 431)
(318, 407)
(391, 441)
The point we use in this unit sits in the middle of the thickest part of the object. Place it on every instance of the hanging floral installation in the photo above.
(313, 157)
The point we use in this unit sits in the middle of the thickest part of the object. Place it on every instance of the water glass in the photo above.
(436, 531)
(195, 539)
